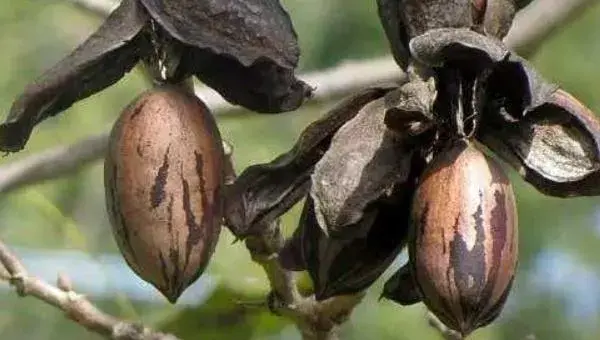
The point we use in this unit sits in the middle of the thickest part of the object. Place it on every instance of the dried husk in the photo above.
(404, 20)
(365, 159)
(554, 144)
(264, 192)
(100, 61)
(163, 181)
(350, 265)
(463, 246)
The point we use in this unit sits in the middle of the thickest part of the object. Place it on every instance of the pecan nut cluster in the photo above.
(405, 165)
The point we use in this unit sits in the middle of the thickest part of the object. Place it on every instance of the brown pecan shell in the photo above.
(463, 248)
(163, 180)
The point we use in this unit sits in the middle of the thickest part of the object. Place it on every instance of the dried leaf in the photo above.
(555, 146)
(346, 266)
(403, 20)
(265, 191)
(96, 64)
(365, 160)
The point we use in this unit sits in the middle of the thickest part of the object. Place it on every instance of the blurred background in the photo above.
(61, 225)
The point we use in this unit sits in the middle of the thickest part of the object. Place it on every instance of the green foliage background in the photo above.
(69, 213)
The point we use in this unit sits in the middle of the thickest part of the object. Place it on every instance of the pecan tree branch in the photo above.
(539, 20)
(52, 163)
(75, 306)
(316, 320)
(97, 7)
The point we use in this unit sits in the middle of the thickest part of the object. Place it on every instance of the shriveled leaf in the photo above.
(345, 266)
(389, 14)
(437, 47)
(555, 146)
(99, 62)
(265, 191)
(364, 161)
(401, 288)
(245, 30)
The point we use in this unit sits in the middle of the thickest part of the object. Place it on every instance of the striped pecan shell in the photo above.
(463, 248)
(163, 181)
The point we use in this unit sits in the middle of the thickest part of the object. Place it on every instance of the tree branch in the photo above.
(97, 7)
(539, 20)
(50, 163)
(316, 320)
(75, 306)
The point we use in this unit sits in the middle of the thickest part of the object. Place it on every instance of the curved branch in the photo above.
(75, 306)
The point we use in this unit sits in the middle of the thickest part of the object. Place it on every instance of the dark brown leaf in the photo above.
(265, 191)
(515, 88)
(96, 64)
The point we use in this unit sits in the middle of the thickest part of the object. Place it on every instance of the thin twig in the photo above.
(75, 306)
(47, 164)
(316, 320)
(97, 7)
